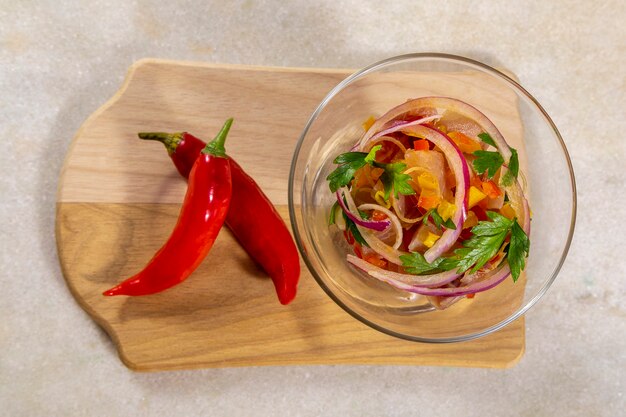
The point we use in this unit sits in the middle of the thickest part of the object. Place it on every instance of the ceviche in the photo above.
(430, 201)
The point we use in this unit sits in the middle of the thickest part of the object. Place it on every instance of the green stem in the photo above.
(216, 146)
(170, 140)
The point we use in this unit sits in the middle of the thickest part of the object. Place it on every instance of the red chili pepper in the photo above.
(252, 217)
(199, 222)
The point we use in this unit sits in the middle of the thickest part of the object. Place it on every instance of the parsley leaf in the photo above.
(482, 248)
(487, 239)
(415, 263)
(438, 220)
(333, 213)
(488, 162)
(426, 216)
(517, 250)
(350, 162)
(449, 224)
(393, 178)
(487, 139)
(513, 169)
(498, 223)
(351, 227)
(342, 176)
(348, 157)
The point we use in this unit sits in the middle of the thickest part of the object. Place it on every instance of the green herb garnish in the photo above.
(491, 161)
(487, 139)
(488, 162)
(350, 163)
(392, 178)
(513, 169)
(518, 250)
(351, 227)
(438, 220)
(333, 213)
(415, 263)
(487, 239)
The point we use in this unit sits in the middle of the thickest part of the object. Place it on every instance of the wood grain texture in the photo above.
(118, 201)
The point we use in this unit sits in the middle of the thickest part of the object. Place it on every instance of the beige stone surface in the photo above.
(60, 60)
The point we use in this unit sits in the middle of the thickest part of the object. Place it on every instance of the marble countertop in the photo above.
(60, 60)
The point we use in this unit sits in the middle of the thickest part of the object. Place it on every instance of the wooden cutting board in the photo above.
(119, 198)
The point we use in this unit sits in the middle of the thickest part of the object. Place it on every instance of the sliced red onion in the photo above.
(403, 281)
(369, 145)
(489, 280)
(445, 103)
(384, 250)
(392, 217)
(374, 225)
(393, 128)
(387, 120)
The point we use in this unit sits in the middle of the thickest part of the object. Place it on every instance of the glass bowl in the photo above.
(546, 169)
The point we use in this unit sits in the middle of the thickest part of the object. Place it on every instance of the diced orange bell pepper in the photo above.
(375, 260)
(450, 178)
(476, 182)
(491, 189)
(421, 145)
(465, 143)
(428, 201)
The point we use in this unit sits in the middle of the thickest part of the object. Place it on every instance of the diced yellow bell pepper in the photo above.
(507, 211)
(475, 196)
(446, 210)
(368, 123)
(431, 239)
(427, 181)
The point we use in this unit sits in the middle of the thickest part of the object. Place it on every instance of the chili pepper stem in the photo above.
(216, 146)
(170, 140)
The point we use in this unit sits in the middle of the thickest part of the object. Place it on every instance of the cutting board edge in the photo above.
(83, 304)
(450, 361)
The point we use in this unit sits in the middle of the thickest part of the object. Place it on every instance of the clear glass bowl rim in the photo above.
(449, 58)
